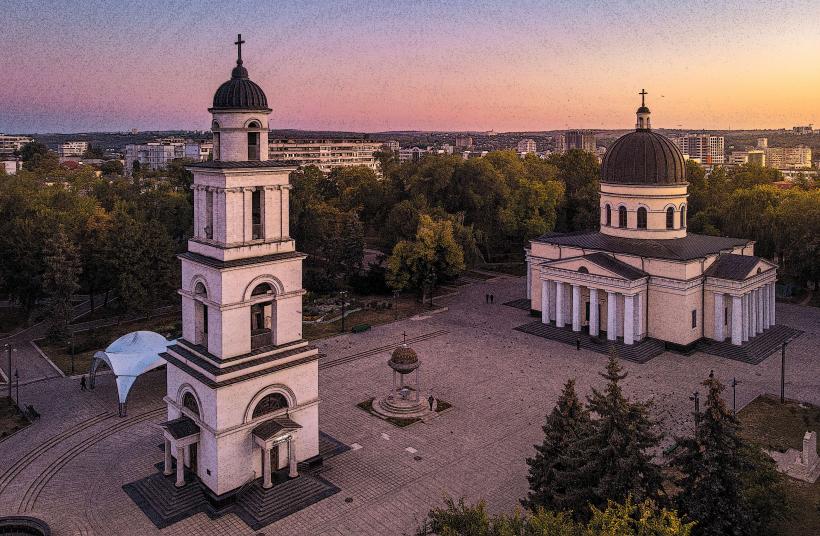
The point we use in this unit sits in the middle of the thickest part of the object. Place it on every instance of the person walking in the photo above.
(486, 298)
(430, 401)
(82, 384)
(492, 298)
(578, 343)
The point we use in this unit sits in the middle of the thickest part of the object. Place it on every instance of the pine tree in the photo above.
(722, 475)
(61, 279)
(563, 427)
(613, 460)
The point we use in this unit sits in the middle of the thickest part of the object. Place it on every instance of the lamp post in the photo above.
(342, 295)
(17, 382)
(734, 398)
(72, 353)
(396, 303)
(8, 350)
(696, 398)
(783, 373)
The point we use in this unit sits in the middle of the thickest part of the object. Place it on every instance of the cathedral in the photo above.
(242, 383)
(642, 275)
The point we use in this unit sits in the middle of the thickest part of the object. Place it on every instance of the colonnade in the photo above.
(752, 312)
(266, 466)
(568, 306)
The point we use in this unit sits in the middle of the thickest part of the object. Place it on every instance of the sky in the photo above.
(367, 66)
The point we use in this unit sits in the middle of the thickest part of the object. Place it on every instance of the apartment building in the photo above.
(327, 154)
(10, 143)
(72, 148)
(706, 149)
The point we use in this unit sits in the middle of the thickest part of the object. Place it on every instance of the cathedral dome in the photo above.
(643, 157)
(240, 92)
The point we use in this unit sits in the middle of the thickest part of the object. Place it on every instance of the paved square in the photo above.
(69, 467)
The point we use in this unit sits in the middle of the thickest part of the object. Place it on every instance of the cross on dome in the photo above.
(643, 94)
(238, 44)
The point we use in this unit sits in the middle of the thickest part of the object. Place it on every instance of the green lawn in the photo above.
(777, 426)
(407, 306)
(11, 420)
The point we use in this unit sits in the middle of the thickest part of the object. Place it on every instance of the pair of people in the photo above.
(489, 298)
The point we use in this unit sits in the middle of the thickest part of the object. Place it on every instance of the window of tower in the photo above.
(261, 289)
(209, 214)
(189, 401)
(216, 145)
(641, 218)
(256, 215)
(683, 216)
(608, 215)
(253, 146)
(622, 217)
(670, 218)
(270, 404)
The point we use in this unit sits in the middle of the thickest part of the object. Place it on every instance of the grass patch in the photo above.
(406, 306)
(777, 426)
(11, 419)
(367, 405)
(87, 343)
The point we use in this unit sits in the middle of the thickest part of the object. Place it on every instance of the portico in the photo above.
(275, 438)
(593, 291)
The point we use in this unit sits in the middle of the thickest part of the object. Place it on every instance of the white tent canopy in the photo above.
(131, 355)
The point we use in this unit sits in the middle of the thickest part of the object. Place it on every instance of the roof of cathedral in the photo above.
(240, 92)
(608, 262)
(643, 157)
(732, 267)
(692, 246)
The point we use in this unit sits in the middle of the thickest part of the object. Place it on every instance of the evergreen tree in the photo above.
(564, 425)
(61, 279)
(722, 477)
(613, 460)
(160, 263)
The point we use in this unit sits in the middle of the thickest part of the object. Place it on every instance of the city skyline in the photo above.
(454, 66)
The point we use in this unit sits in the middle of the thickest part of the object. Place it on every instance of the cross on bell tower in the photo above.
(643, 113)
(238, 44)
(643, 92)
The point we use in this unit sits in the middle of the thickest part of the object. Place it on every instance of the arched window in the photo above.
(269, 404)
(670, 218)
(641, 218)
(583, 270)
(622, 217)
(199, 290)
(253, 146)
(189, 401)
(216, 146)
(608, 215)
(254, 124)
(261, 289)
(682, 216)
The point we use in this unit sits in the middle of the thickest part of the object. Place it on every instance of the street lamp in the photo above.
(396, 303)
(783, 373)
(696, 398)
(342, 295)
(17, 381)
(9, 350)
(734, 399)
(72, 353)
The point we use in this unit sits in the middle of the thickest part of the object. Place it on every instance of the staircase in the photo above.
(756, 349)
(640, 352)
(163, 502)
(259, 507)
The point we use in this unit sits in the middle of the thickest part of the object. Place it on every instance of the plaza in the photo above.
(69, 468)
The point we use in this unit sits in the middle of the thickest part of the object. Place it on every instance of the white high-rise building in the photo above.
(327, 154)
(10, 143)
(72, 148)
(526, 146)
(705, 148)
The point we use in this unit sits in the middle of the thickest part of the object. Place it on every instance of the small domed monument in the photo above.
(642, 276)
(402, 401)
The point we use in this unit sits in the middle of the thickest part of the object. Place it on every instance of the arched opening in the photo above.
(257, 214)
(641, 218)
(622, 217)
(670, 218)
(189, 402)
(682, 216)
(583, 270)
(253, 141)
(216, 146)
(254, 124)
(200, 315)
(262, 317)
(270, 404)
(608, 215)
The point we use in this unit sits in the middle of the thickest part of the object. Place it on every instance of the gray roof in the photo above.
(234, 164)
(181, 428)
(248, 261)
(271, 428)
(643, 157)
(732, 267)
(240, 93)
(612, 264)
(692, 246)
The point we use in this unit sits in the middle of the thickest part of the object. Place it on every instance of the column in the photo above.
(292, 472)
(247, 214)
(629, 319)
(180, 467)
(760, 309)
(745, 307)
(752, 313)
(529, 279)
(167, 470)
(718, 335)
(639, 316)
(611, 312)
(559, 304)
(594, 321)
(266, 480)
(767, 306)
(576, 308)
(774, 303)
(737, 320)
(545, 302)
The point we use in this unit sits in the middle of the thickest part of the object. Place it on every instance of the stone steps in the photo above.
(163, 502)
(640, 352)
(755, 350)
(259, 507)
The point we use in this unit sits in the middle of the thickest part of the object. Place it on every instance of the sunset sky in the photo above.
(94, 65)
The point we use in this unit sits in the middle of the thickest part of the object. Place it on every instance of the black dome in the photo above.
(643, 157)
(240, 93)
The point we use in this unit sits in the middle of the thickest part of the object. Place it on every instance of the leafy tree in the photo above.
(36, 155)
(564, 426)
(94, 151)
(727, 487)
(613, 460)
(96, 246)
(112, 167)
(579, 172)
(61, 279)
(158, 257)
(627, 519)
(433, 257)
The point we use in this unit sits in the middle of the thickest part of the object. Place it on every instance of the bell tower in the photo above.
(242, 382)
